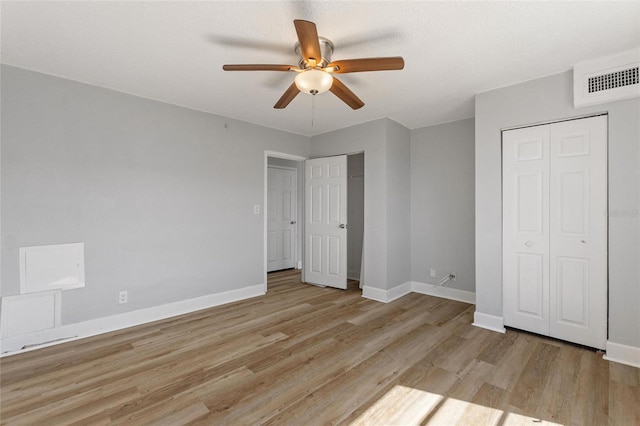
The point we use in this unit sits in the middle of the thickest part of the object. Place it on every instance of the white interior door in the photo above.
(325, 221)
(578, 249)
(555, 230)
(525, 253)
(281, 218)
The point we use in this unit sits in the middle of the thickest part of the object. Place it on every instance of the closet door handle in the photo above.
(529, 243)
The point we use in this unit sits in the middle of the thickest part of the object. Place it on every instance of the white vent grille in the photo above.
(613, 80)
(607, 79)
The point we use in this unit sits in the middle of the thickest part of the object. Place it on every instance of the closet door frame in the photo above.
(565, 244)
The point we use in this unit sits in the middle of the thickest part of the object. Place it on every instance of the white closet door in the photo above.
(555, 230)
(578, 234)
(525, 233)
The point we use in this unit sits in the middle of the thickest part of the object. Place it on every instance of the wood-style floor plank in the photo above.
(309, 355)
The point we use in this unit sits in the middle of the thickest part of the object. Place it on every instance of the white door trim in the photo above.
(285, 156)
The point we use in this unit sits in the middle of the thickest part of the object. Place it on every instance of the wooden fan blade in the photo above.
(287, 97)
(258, 67)
(347, 96)
(368, 64)
(308, 38)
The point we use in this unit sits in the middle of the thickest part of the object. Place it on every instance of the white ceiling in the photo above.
(174, 51)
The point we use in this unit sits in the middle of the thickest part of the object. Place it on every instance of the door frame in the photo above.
(265, 191)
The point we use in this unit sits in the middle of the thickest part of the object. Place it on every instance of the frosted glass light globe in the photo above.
(313, 81)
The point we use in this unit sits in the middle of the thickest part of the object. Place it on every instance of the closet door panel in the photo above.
(525, 229)
(578, 233)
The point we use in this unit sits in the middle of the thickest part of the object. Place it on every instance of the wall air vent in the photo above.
(613, 80)
(607, 79)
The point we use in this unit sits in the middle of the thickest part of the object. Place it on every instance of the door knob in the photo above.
(343, 226)
(528, 243)
(293, 222)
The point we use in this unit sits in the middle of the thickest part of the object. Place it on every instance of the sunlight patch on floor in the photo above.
(401, 405)
(408, 406)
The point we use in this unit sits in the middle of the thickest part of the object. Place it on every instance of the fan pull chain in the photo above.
(313, 109)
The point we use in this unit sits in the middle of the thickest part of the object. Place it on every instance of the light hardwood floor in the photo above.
(305, 355)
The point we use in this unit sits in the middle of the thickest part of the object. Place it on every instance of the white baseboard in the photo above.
(490, 322)
(397, 292)
(444, 292)
(65, 333)
(623, 354)
(374, 294)
(386, 296)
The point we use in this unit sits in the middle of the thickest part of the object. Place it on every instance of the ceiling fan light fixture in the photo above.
(313, 81)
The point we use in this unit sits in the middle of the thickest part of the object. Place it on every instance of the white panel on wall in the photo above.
(27, 313)
(59, 266)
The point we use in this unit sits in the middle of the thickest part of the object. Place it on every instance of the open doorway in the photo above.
(282, 251)
(334, 222)
(283, 212)
(355, 214)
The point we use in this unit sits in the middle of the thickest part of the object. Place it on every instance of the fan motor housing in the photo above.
(326, 49)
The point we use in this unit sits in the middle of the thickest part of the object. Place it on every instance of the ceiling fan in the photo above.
(315, 69)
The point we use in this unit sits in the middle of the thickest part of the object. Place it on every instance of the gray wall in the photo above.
(442, 203)
(369, 138)
(162, 196)
(547, 99)
(299, 166)
(355, 214)
(386, 146)
(398, 204)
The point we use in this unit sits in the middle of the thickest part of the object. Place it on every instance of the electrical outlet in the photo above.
(122, 297)
(256, 209)
(432, 273)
